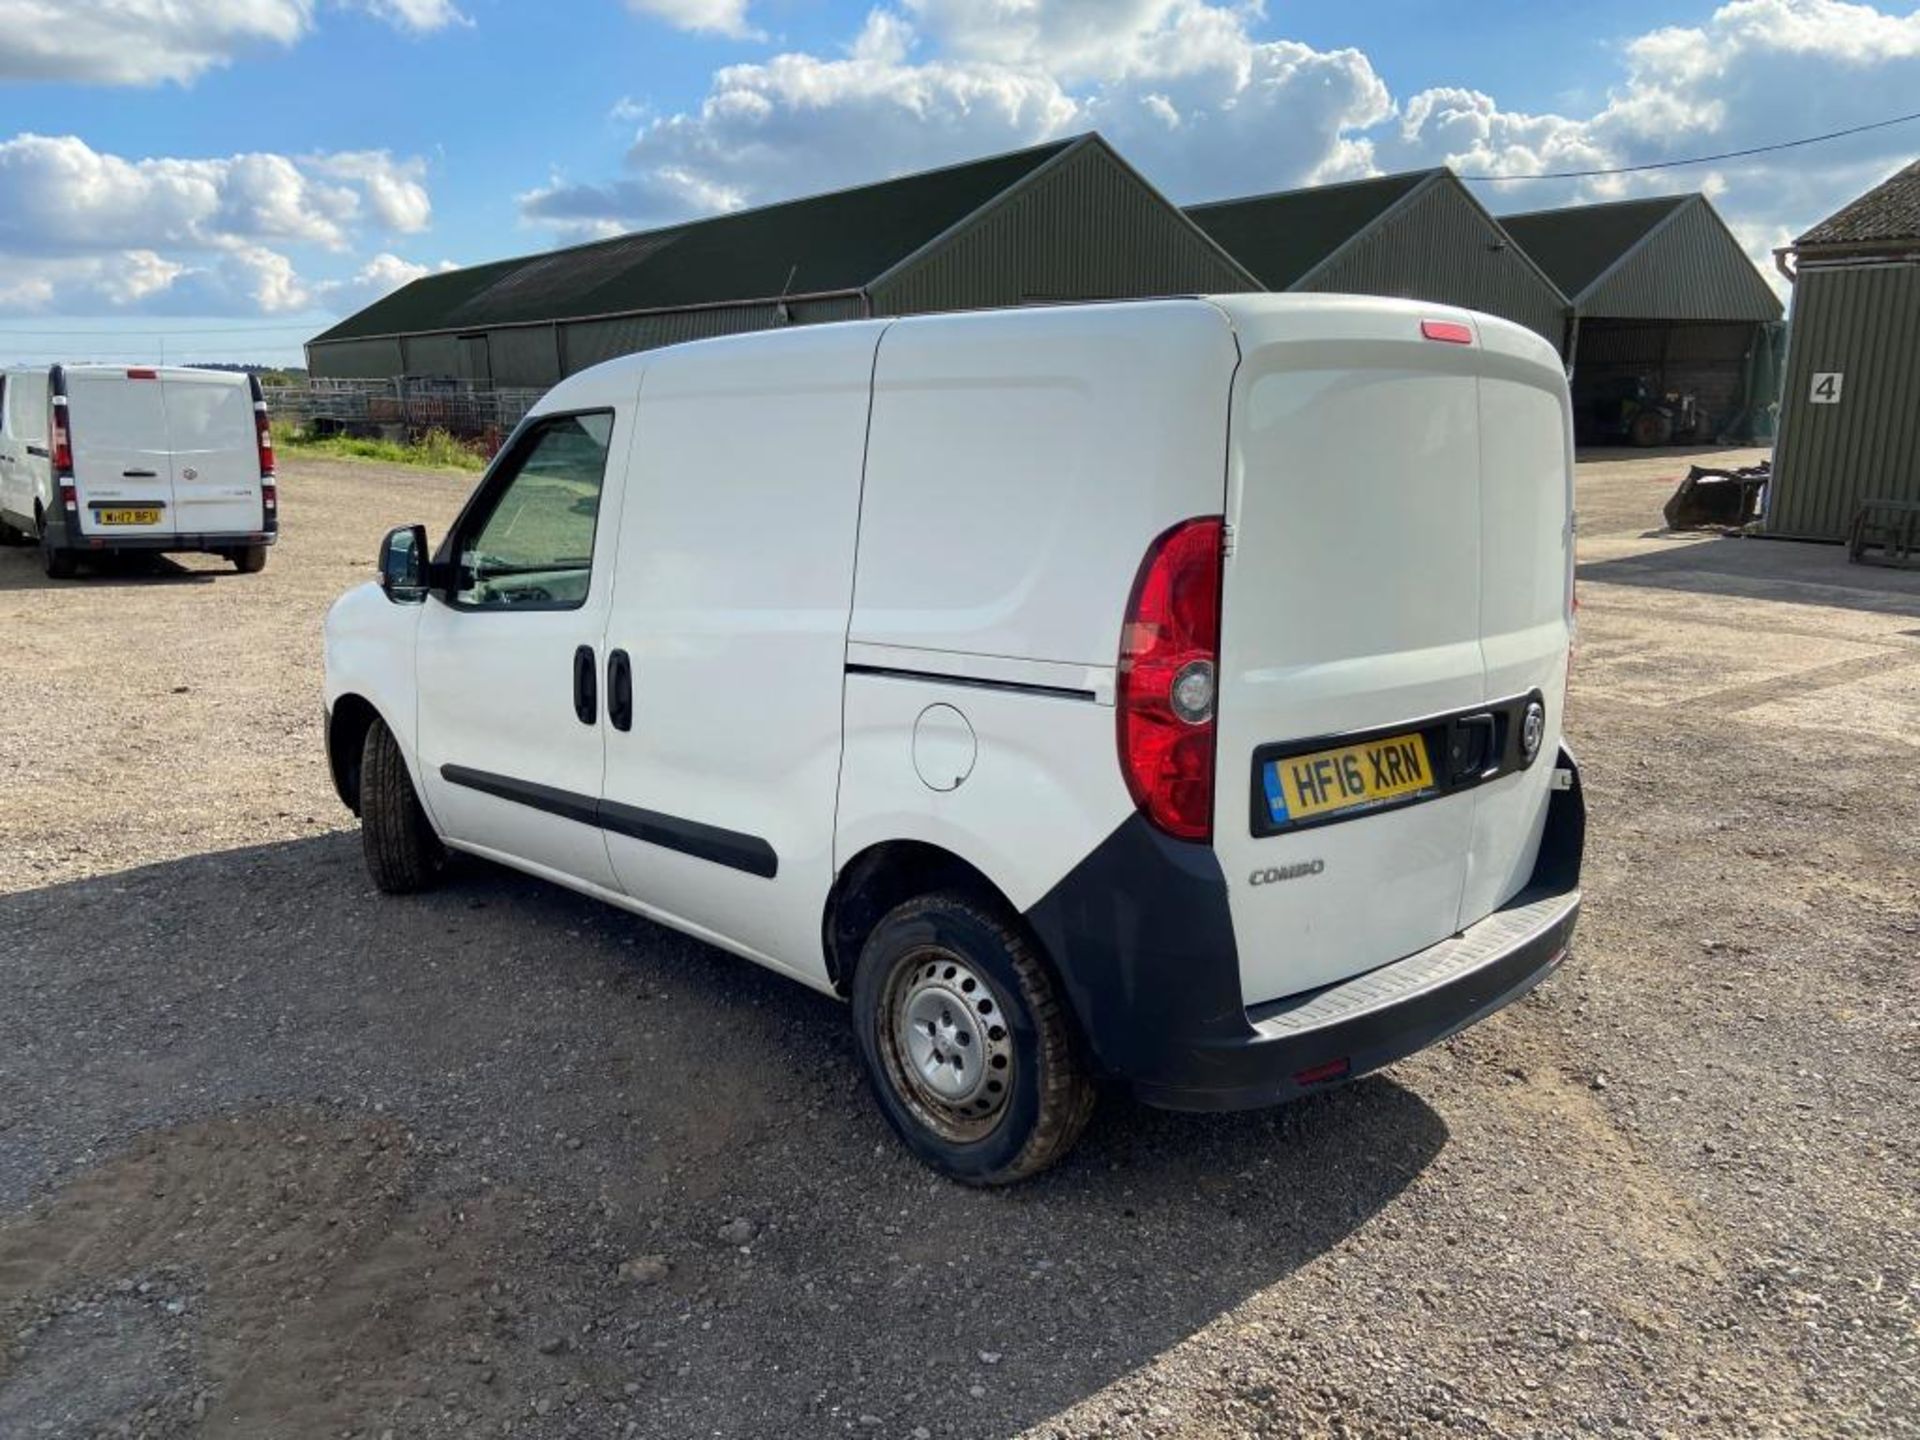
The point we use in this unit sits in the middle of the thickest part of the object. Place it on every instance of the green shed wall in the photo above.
(525, 356)
(1864, 322)
(1441, 247)
(1086, 228)
(356, 359)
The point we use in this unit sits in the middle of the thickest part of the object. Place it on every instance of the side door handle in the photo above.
(586, 682)
(620, 690)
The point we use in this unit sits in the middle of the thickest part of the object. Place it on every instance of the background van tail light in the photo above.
(60, 428)
(1169, 679)
(263, 443)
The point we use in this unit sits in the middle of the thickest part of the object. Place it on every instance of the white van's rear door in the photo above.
(1526, 590)
(123, 469)
(216, 456)
(1350, 618)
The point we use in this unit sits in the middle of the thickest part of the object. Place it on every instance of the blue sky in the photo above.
(222, 178)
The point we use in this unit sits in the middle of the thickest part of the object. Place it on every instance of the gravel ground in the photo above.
(281, 1157)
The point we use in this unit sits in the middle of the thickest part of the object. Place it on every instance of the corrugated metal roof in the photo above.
(1440, 244)
(1281, 237)
(1889, 211)
(1666, 258)
(1577, 245)
(819, 244)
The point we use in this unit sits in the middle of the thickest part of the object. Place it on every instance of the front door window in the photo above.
(533, 546)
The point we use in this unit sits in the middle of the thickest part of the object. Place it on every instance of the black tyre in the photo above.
(403, 854)
(249, 559)
(11, 536)
(967, 1042)
(59, 562)
(1650, 428)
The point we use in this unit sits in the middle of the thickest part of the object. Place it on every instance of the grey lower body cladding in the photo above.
(1142, 937)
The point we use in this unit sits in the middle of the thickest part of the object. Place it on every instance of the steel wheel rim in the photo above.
(946, 1044)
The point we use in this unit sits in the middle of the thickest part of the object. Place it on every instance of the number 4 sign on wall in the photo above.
(1826, 388)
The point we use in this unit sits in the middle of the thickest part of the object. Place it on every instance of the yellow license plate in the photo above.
(1351, 777)
(127, 517)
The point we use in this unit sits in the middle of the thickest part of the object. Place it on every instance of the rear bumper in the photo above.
(65, 537)
(1157, 993)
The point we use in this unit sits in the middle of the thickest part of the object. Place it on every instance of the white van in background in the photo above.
(1165, 692)
(96, 459)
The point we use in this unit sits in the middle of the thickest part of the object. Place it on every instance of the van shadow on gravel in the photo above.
(20, 570)
(387, 1157)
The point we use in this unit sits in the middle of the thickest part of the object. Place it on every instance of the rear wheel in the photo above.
(403, 854)
(56, 560)
(249, 559)
(967, 1042)
(11, 536)
(1650, 428)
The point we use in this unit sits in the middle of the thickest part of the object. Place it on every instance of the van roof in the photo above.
(162, 372)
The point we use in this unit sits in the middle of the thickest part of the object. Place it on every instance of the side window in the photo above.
(26, 401)
(533, 544)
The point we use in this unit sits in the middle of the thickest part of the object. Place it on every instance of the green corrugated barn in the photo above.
(1850, 419)
(1065, 221)
(1663, 292)
(1419, 236)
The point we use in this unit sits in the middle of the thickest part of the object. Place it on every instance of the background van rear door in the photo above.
(216, 460)
(122, 462)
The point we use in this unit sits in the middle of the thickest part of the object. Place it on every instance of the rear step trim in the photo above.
(1404, 981)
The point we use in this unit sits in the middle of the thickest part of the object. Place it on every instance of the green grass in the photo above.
(436, 450)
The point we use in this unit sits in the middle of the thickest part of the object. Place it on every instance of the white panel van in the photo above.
(97, 459)
(1166, 693)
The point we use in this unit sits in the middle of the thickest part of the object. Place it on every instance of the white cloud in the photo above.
(418, 17)
(87, 232)
(1193, 93)
(155, 42)
(381, 275)
(1754, 73)
(1180, 86)
(141, 42)
(395, 191)
(58, 194)
(714, 17)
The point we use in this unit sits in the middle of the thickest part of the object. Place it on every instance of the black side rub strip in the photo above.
(704, 842)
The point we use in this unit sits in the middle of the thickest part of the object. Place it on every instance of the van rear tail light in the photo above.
(1169, 679)
(263, 443)
(60, 427)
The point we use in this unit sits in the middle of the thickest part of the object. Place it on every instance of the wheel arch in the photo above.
(885, 875)
(348, 721)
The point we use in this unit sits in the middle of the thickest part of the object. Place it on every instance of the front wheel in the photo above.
(967, 1042)
(403, 854)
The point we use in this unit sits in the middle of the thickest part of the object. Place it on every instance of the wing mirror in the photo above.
(404, 565)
